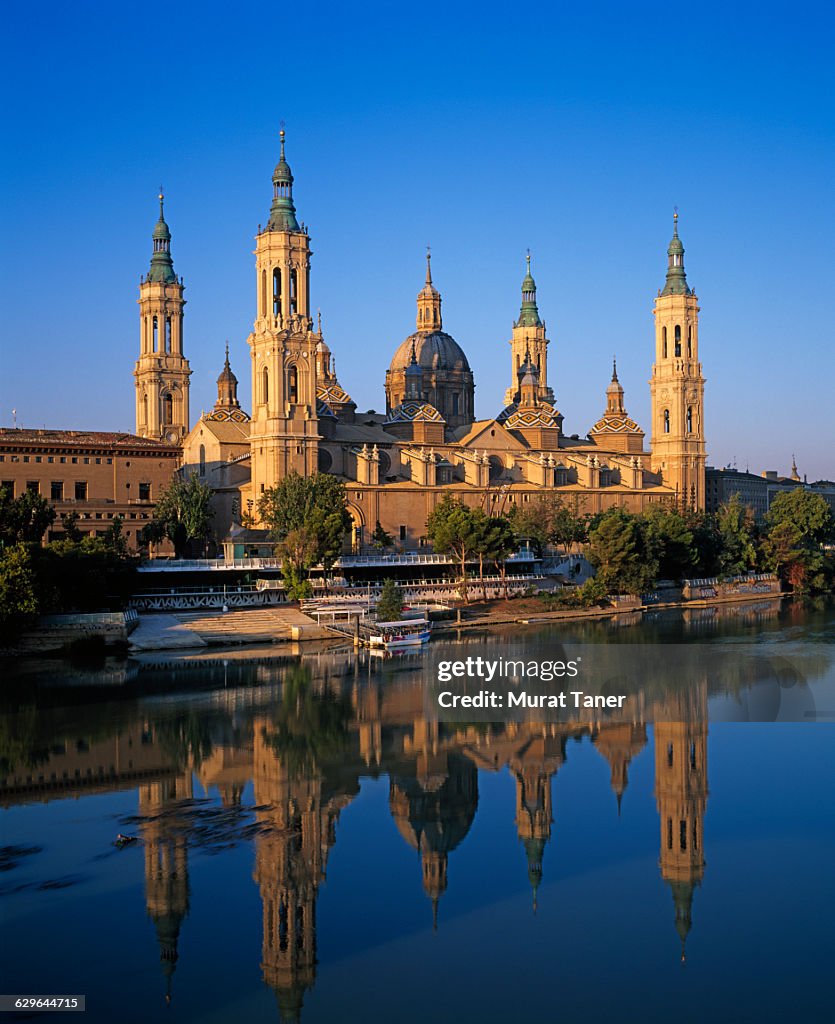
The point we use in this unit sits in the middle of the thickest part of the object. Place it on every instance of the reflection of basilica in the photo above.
(305, 757)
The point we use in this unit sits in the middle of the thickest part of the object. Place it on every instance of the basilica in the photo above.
(396, 466)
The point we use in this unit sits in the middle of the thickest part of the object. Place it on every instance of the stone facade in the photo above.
(396, 466)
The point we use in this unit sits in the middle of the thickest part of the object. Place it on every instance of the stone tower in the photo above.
(284, 435)
(677, 386)
(681, 795)
(529, 338)
(162, 371)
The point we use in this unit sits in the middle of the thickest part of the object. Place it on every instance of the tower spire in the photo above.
(283, 210)
(529, 313)
(162, 265)
(428, 265)
(676, 283)
(429, 302)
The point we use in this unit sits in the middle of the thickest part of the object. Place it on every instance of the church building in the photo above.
(396, 466)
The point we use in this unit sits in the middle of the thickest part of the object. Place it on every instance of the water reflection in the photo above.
(299, 735)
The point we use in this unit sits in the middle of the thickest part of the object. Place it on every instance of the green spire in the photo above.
(162, 266)
(528, 314)
(282, 212)
(676, 283)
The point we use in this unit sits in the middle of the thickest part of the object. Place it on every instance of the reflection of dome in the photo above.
(435, 351)
(436, 820)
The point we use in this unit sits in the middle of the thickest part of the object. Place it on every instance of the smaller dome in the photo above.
(676, 246)
(413, 411)
(516, 417)
(161, 230)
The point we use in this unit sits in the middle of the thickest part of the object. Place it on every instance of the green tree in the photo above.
(670, 538)
(69, 521)
(501, 543)
(183, 514)
(18, 588)
(317, 504)
(25, 518)
(453, 527)
(807, 512)
(619, 551)
(737, 537)
(380, 539)
(390, 602)
(297, 551)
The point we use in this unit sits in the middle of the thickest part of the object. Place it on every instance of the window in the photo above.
(56, 490)
(692, 756)
(62, 459)
(276, 294)
(98, 461)
(666, 421)
(455, 403)
(81, 490)
(263, 293)
(402, 532)
(25, 458)
(669, 755)
(265, 385)
(74, 460)
(86, 461)
(144, 492)
(678, 340)
(682, 835)
(669, 833)
(168, 334)
(49, 458)
(33, 487)
(664, 341)
(294, 298)
(167, 409)
(689, 419)
(156, 335)
(689, 341)
(292, 384)
(37, 458)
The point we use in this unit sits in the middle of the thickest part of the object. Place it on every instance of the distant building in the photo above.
(758, 492)
(96, 474)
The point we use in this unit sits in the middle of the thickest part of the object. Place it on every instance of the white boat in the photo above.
(393, 635)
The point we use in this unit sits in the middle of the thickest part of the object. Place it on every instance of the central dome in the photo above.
(433, 351)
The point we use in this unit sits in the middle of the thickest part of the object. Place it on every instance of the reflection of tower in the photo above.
(681, 795)
(619, 743)
(298, 828)
(533, 768)
(433, 813)
(166, 865)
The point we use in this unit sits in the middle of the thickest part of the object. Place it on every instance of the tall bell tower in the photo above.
(529, 340)
(677, 386)
(162, 371)
(284, 435)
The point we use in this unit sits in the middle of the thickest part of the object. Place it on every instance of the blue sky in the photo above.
(481, 129)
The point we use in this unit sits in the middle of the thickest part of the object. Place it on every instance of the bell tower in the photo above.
(162, 371)
(677, 386)
(529, 340)
(284, 435)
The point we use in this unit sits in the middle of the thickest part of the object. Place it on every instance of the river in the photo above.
(310, 843)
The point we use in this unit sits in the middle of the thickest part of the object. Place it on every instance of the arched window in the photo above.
(689, 419)
(168, 335)
(664, 340)
(294, 292)
(678, 339)
(265, 386)
(666, 421)
(167, 409)
(277, 292)
(689, 341)
(263, 293)
(202, 460)
(156, 335)
(292, 384)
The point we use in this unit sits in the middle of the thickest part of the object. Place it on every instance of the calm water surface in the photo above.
(311, 846)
